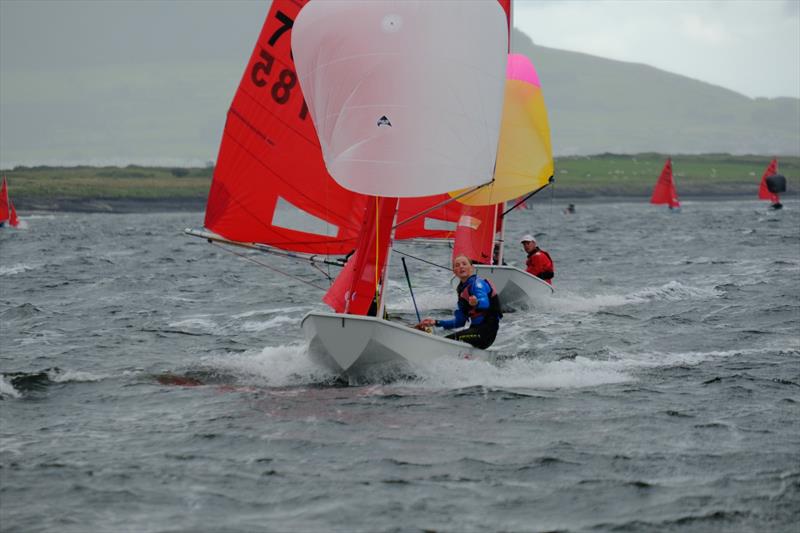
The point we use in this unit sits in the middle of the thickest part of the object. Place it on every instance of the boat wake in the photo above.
(569, 302)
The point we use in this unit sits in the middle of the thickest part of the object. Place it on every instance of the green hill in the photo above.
(599, 105)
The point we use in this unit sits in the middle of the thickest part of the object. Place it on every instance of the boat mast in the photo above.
(502, 238)
(385, 278)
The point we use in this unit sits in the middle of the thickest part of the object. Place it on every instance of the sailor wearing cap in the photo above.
(539, 262)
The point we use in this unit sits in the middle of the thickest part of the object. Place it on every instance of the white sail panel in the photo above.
(406, 96)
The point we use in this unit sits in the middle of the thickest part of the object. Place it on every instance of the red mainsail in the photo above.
(763, 190)
(664, 191)
(270, 183)
(7, 211)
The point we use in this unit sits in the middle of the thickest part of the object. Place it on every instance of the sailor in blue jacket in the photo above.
(477, 302)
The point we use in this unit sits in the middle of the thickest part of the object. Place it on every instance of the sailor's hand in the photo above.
(426, 323)
(473, 301)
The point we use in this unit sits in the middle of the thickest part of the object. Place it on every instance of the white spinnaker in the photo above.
(406, 96)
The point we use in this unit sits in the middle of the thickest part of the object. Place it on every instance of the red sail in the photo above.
(4, 207)
(664, 191)
(354, 289)
(439, 223)
(12, 219)
(270, 183)
(763, 191)
(475, 233)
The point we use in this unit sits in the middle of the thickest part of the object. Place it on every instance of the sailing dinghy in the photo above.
(328, 190)
(665, 191)
(386, 122)
(524, 167)
(772, 184)
(8, 215)
(475, 223)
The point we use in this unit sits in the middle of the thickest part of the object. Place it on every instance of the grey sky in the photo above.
(150, 81)
(749, 46)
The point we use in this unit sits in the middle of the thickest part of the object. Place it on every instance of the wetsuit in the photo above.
(484, 318)
(540, 265)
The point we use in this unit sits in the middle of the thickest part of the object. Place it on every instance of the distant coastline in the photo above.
(599, 178)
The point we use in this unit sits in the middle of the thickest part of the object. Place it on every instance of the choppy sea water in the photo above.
(155, 383)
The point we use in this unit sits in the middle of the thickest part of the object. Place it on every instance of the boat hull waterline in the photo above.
(357, 345)
(516, 288)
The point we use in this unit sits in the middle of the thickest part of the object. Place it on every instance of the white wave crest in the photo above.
(673, 291)
(254, 326)
(566, 301)
(76, 376)
(7, 389)
(273, 366)
(197, 323)
(272, 311)
(520, 373)
(16, 269)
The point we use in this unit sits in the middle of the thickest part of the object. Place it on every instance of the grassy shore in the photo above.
(135, 188)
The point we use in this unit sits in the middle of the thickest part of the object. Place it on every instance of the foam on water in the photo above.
(199, 322)
(75, 376)
(18, 268)
(570, 302)
(272, 311)
(518, 373)
(278, 321)
(273, 366)
(7, 389)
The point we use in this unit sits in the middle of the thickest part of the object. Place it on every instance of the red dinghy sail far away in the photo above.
(772, 184)
(664, 191)
(7, 212)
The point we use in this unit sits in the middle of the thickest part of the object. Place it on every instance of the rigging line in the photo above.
(421, 259)
(549, 182)
(377, 247)
(326, 274)
(550, 217)
(267, 266)
(441, 204)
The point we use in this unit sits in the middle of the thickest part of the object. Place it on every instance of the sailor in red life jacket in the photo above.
(539, 262)
(477, 301)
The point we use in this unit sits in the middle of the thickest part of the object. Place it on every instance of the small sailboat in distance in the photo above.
(7, 212)
(772, 184)
(664, 191)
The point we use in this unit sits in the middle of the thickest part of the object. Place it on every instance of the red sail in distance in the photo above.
(354, 288)
(7, 211)
(664, 192)
(270, 183)
(763, 191)
(4, 208)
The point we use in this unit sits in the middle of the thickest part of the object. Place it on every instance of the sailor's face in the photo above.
(529, 246)
(462, 268)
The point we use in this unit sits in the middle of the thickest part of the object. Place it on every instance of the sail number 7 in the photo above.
(281, 88)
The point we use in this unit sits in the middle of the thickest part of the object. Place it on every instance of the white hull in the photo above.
(364, 346)
(516, 288)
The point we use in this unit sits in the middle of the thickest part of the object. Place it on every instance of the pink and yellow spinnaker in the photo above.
(524, 153)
